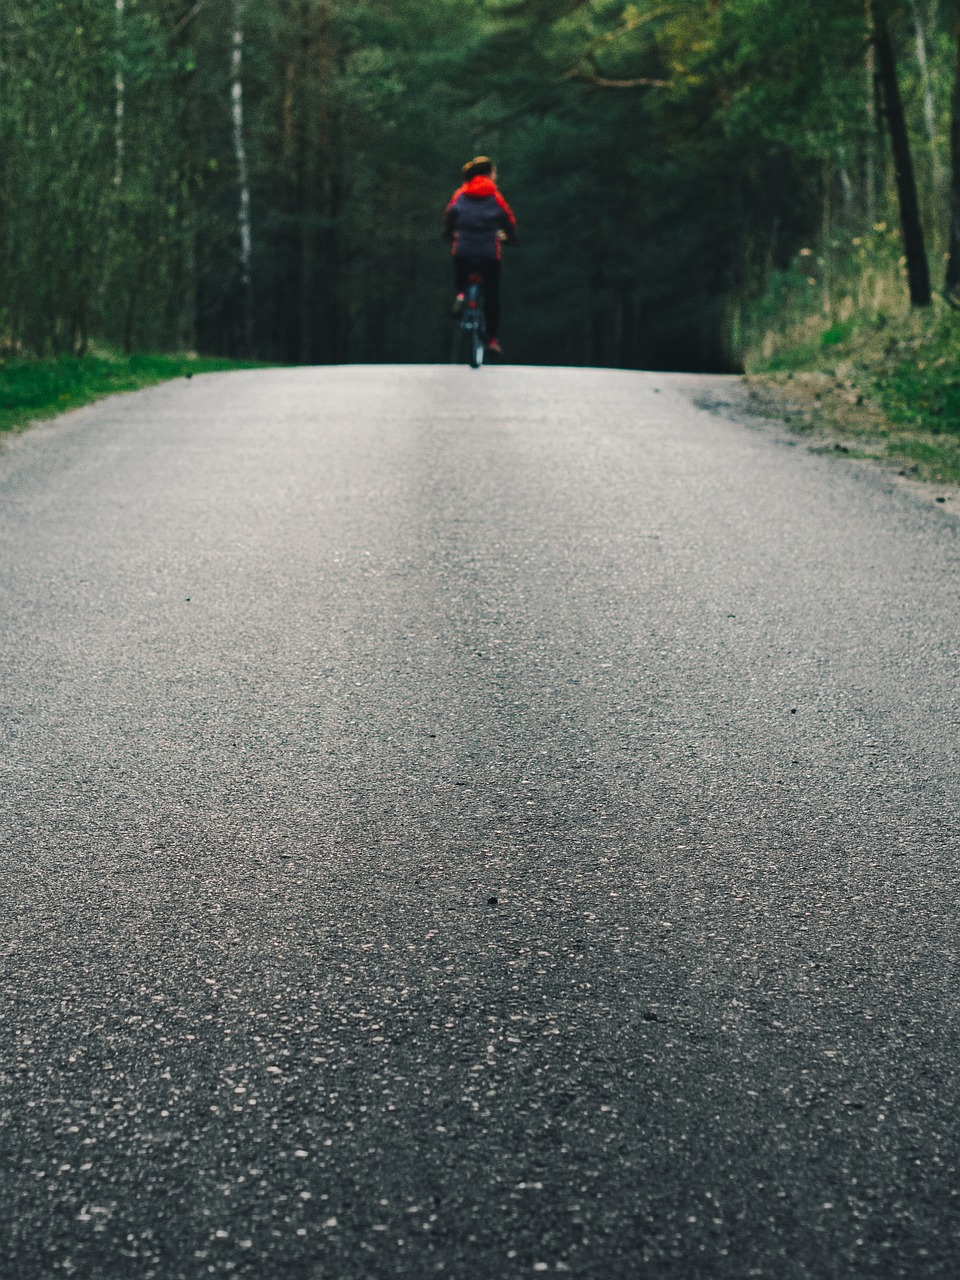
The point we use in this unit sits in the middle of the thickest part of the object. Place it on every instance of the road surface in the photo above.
(474, 825)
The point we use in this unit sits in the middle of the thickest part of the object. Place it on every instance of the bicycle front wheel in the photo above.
(476, 348)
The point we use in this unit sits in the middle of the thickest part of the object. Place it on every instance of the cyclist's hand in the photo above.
(502, 236)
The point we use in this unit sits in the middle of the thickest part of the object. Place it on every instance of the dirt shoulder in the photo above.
(832, 414)
(885, 389)
(835, 414)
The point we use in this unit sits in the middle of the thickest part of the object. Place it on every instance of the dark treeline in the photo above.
(266, 177)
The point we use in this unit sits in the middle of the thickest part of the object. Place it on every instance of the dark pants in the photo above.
(489, 269)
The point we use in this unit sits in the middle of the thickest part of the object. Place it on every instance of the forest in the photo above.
(266, 178)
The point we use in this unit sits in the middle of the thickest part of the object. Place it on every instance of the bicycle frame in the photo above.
(473, 322)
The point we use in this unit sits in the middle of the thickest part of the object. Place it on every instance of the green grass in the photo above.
(836, 334)
(936, 459)
(806, 355)
(35, 389)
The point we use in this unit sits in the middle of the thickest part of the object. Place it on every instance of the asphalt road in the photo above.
(473, 825)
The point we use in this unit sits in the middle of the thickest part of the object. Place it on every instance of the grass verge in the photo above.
(35, 389)
(879, 387)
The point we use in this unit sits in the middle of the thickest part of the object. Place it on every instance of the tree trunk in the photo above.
(826, 231)
(309, 186)
(951, 285)
(918, 270)
(120, 95)
(870, 162)
(243, 178)
(929, 106)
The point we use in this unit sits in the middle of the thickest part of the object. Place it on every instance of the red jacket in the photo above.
(476, 212)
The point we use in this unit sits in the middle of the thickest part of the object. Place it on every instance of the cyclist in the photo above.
(479, 222)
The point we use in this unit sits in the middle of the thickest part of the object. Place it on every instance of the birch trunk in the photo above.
(870, 160)
(120, 92)
(952, 280)
(243, 177)
(929, 106)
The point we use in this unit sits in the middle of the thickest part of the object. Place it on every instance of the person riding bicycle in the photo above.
(479, 222)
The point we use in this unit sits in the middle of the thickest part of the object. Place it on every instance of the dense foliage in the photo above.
(267, 177)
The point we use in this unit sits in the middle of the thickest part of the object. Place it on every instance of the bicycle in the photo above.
(473, 324)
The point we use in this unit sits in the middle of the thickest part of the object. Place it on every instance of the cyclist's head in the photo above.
(478, 167)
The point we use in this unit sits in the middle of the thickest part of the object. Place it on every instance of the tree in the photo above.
(269, 177)
(918, 271)
(952, 278)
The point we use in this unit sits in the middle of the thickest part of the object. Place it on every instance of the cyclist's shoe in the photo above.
(458, 302)
(494, 348)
